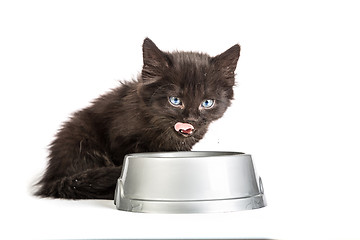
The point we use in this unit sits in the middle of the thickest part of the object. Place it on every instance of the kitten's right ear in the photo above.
(155, 60)
(226, 62)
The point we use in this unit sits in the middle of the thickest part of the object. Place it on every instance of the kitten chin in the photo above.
(168, 108)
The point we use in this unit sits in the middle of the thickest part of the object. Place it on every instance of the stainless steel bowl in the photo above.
(188, 182)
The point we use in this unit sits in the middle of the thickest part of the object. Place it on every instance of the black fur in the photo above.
(86, 156)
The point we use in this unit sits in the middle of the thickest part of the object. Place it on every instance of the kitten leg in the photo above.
(96, 183)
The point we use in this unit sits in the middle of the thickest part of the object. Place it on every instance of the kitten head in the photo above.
(185, 91)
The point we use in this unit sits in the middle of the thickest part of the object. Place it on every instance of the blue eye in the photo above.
(208, 103)
(175, 101)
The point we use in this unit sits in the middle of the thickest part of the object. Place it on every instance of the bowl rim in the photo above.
(184, 154)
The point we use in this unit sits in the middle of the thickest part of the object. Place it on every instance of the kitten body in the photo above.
(183, 89)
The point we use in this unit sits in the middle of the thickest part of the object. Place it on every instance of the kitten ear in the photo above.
(227, 61)
(154, 59)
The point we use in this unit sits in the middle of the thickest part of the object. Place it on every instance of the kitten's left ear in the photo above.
(227, 61)
(155, 60)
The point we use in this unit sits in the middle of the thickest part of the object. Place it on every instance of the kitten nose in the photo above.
(191, 119)
(191, 115)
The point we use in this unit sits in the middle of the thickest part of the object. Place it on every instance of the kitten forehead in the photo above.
(191, 58)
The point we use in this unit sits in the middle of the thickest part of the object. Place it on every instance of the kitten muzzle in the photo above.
(186, 129)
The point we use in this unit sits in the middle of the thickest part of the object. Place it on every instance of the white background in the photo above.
(296, 109)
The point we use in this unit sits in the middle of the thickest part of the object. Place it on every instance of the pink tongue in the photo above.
(184, 127)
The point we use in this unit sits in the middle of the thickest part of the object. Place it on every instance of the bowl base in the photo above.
(200, 206)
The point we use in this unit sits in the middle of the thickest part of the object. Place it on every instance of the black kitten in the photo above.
(168, 108)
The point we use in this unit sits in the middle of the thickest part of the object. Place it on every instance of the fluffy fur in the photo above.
(86, 156)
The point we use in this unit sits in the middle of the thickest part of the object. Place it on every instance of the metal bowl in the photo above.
(188, 182)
